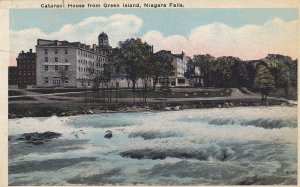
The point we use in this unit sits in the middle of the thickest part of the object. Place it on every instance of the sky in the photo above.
(245, 33)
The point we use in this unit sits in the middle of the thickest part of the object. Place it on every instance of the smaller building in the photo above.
(194, 75)
(26, 69)
(179, 62)
(23, 75)
(13, 79)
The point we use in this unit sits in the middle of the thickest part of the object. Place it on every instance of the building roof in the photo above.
(169, 52)
(103, 35)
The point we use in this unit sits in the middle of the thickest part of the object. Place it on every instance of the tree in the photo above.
(281, 68)
(63, 74)
(239, 75)
(252, 66)
(264, 81)
(134, 55)
(98, 78)
(161, 67)
(208, 66)
(165, 89)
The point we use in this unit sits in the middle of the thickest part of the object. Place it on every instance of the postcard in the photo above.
(149, 93)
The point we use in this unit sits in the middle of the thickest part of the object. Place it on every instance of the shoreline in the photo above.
(20, 110)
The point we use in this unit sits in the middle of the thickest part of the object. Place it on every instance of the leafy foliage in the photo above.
(134, 57)
(264, 81)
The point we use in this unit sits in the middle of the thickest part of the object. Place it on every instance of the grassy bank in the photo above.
(71, 108)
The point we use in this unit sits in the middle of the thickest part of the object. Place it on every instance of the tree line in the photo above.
(133, 57)
(264, 75)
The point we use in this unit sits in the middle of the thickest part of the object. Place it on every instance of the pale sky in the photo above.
(245, 33)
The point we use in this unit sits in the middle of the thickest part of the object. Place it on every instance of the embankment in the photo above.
(19, 110)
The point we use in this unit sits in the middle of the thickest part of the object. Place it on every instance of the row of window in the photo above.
(84, 54)
(56, 81)
(25, 66)
(55, 51)
(66, 68)
(85, 62)
(26, 62)
(88, 83)
(24, 73)
(89, 55)
(84, 69)
(56, 59)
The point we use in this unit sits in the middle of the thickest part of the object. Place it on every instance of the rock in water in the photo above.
(38, 138)
(108, 134)
(176, 108)
(167, 108)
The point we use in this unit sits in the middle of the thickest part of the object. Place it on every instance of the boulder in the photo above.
(176, 108)
(36, 138)
(108, 134)
(167, 108)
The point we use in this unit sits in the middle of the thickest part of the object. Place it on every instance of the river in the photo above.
(218, 146)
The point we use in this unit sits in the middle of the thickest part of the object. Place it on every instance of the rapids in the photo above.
(219, 146)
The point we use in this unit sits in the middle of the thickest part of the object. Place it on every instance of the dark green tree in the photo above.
(264, 81)
(208, 67)
(281, 68)
(134, 56)
(161, 67)
(165, 88)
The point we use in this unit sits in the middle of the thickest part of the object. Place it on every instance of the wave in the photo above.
(260, 122)
(216, 174)
(148, 135)
(266, 123)
(222, 154)
(110, 120)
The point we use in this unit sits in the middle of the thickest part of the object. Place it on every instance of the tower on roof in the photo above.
(103, 40)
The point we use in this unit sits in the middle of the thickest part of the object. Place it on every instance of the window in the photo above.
(56, 59)
(66, 68)
(89, 84)
(56, 68)
(56, 51)
(78, 68)
(46, 51)
(66, 51)
(46, 80)
(66, 80)
(46, 59)
(46, 68)
(66, 60)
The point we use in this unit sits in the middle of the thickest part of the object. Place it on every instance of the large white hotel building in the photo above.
(65, 64)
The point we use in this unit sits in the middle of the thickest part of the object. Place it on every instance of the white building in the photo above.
(179, 62)
(66, 64)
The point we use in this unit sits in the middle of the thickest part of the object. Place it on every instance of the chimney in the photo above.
(30, 50)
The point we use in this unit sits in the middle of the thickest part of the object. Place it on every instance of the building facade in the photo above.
(179, 62)
(26, 63)
(13, 77)
(70, 64)
(24, 74)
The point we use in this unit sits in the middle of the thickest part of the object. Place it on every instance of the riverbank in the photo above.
(20, 110)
